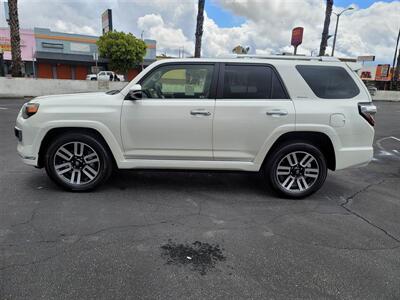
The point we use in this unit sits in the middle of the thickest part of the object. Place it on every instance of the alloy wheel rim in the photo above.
(297, 171)
(76, 163)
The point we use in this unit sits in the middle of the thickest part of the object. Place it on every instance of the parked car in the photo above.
(292, 118)
(372, 90)
(106, 76)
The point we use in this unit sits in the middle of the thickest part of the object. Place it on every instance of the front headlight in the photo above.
(29, 110)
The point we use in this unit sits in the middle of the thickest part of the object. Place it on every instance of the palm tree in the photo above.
(199, 28)
(15, 38)
(325, 32)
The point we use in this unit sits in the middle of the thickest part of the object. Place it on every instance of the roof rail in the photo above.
(290, 57)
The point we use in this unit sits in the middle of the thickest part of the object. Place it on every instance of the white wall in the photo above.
(26, 87)
(387, 96)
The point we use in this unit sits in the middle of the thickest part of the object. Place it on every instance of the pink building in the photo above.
(27, 49)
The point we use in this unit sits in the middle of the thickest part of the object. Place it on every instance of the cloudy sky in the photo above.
(264, 25)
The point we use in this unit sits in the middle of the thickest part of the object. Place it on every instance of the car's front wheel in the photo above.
(78, 162)
(296, 170)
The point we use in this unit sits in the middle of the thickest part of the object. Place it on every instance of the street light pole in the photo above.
(336, 29)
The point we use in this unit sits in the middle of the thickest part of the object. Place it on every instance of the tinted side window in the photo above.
(329, 82)
(278, 92)
(247, 82)
(179, 82)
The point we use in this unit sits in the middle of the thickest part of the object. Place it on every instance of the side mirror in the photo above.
(135, 92)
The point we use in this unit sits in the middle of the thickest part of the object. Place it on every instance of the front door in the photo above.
(173, 120)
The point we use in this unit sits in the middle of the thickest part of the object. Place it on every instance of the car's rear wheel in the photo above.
(78, 162)
(296, 170)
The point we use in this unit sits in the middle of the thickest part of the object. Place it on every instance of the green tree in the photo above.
(122, 49)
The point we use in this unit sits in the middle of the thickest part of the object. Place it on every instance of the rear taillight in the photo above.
(367, 111)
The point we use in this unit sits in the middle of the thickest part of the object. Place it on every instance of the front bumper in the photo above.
(26, 135)
(18, 134)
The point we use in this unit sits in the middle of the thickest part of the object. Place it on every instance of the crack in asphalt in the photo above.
(29, 220)
(358, 215)
(64, 251)
(199, 212)
(334, 247)
(80, 237)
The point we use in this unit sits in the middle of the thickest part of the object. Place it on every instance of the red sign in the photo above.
(297, 36)
(382, 73)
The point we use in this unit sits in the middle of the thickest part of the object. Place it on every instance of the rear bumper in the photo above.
(353, 157)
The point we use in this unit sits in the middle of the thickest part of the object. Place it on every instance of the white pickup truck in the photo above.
(106, 75)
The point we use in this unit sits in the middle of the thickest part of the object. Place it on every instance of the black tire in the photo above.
(93, 79)
(277, 182)
(103, 164)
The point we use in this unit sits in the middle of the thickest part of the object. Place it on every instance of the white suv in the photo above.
(291, 117)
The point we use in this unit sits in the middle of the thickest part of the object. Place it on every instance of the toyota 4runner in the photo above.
(291, 117)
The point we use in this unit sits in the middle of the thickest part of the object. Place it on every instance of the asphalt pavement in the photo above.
(201, 235)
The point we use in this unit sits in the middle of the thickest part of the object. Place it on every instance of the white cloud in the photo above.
(267, 28)
(169, 38)
(72, 28)
(363, 31)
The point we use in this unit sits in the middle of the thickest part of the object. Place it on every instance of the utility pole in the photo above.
(141, 37)
(1, 62)
(395, 73)
(33, 64)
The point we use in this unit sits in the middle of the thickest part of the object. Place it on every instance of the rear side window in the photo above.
(278, 91)
(251, 82)
(329, 82)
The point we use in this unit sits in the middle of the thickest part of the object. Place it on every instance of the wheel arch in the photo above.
(54, 132)
(318, 139)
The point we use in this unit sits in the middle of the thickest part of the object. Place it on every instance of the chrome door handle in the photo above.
(200, 112)
(277, 113)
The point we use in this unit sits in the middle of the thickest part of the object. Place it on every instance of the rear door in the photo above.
(252, 110)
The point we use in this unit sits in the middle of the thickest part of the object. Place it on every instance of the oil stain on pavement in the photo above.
(200, 256)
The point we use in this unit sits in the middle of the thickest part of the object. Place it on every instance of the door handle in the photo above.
(277, 113)
(200, 112)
